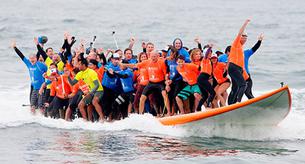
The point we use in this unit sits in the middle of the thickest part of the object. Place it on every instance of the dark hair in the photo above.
(128, 49)
(94, 62)
(117, 50)
(180, 42)
(228, 49)
(180, 57)
(140, 54)
(54, 65)
(84, 62)
(75, 70)
(218, 53)
(174, 51)
(49, 49)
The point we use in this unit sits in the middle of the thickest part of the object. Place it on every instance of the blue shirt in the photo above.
(247, 54)
(111, 83)
(127, 83)
(223, 58)
(172, 66)
(182, 52)
(36, 72)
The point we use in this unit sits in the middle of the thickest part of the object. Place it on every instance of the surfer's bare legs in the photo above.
(89, 111)
(98, 108)
(196, 102)
(129, 108)
(81, 107)
(166, 102)
(225, 96)
(186, 106)
(142, 103)
(68, 114)
(180, 104)
(62, 113)
(219, 92)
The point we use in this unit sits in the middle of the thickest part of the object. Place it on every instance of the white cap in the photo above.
(214, 56)
(115, 55)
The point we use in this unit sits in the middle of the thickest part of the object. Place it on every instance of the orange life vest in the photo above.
(61, 87)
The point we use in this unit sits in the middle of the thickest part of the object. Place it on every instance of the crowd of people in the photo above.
(100, 85)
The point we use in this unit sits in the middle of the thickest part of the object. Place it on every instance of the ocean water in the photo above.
(25, 138)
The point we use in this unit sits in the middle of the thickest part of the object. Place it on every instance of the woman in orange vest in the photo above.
(141, 77)
(60, 89)
(223, 83)
(205, 86)
(236, 66)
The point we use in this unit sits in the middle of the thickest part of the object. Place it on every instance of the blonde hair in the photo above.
(194, 52)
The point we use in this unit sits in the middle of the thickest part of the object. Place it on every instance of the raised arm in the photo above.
(40, 50)
(258, 43)
(131, 43)
(19, 53)
(243, 27)
(198, 41)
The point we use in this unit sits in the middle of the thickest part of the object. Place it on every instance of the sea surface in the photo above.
(25, 138)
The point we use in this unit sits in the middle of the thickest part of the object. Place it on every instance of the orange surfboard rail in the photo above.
(186, 118)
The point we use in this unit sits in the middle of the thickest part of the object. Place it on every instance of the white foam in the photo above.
(291, 128)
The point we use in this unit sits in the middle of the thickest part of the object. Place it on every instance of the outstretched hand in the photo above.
(36, 41)
(197, 40)
(13, 44)
(143, 45)
(261, 37)
(132, 39)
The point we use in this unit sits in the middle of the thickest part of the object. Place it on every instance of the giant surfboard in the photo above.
(267, 110)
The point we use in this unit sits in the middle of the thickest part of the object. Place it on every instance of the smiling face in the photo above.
(150, 47)
(50, 52)
(214, 60)
(178, 44)
(154, 56)
(115, 61)
(81, 66)
(55, 58)
(143, 57)
(243, 39)
(128, 54)
(66, 71)
(91, 66)
(197, 56)
(180, 62)
(33, 59)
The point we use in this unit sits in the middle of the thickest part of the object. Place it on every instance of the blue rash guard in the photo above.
(223, 58)
(247, 54)
(172, 70)
(111, 81)
(126, 81)
(36, 72)
(181, 51)
(131, 61)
